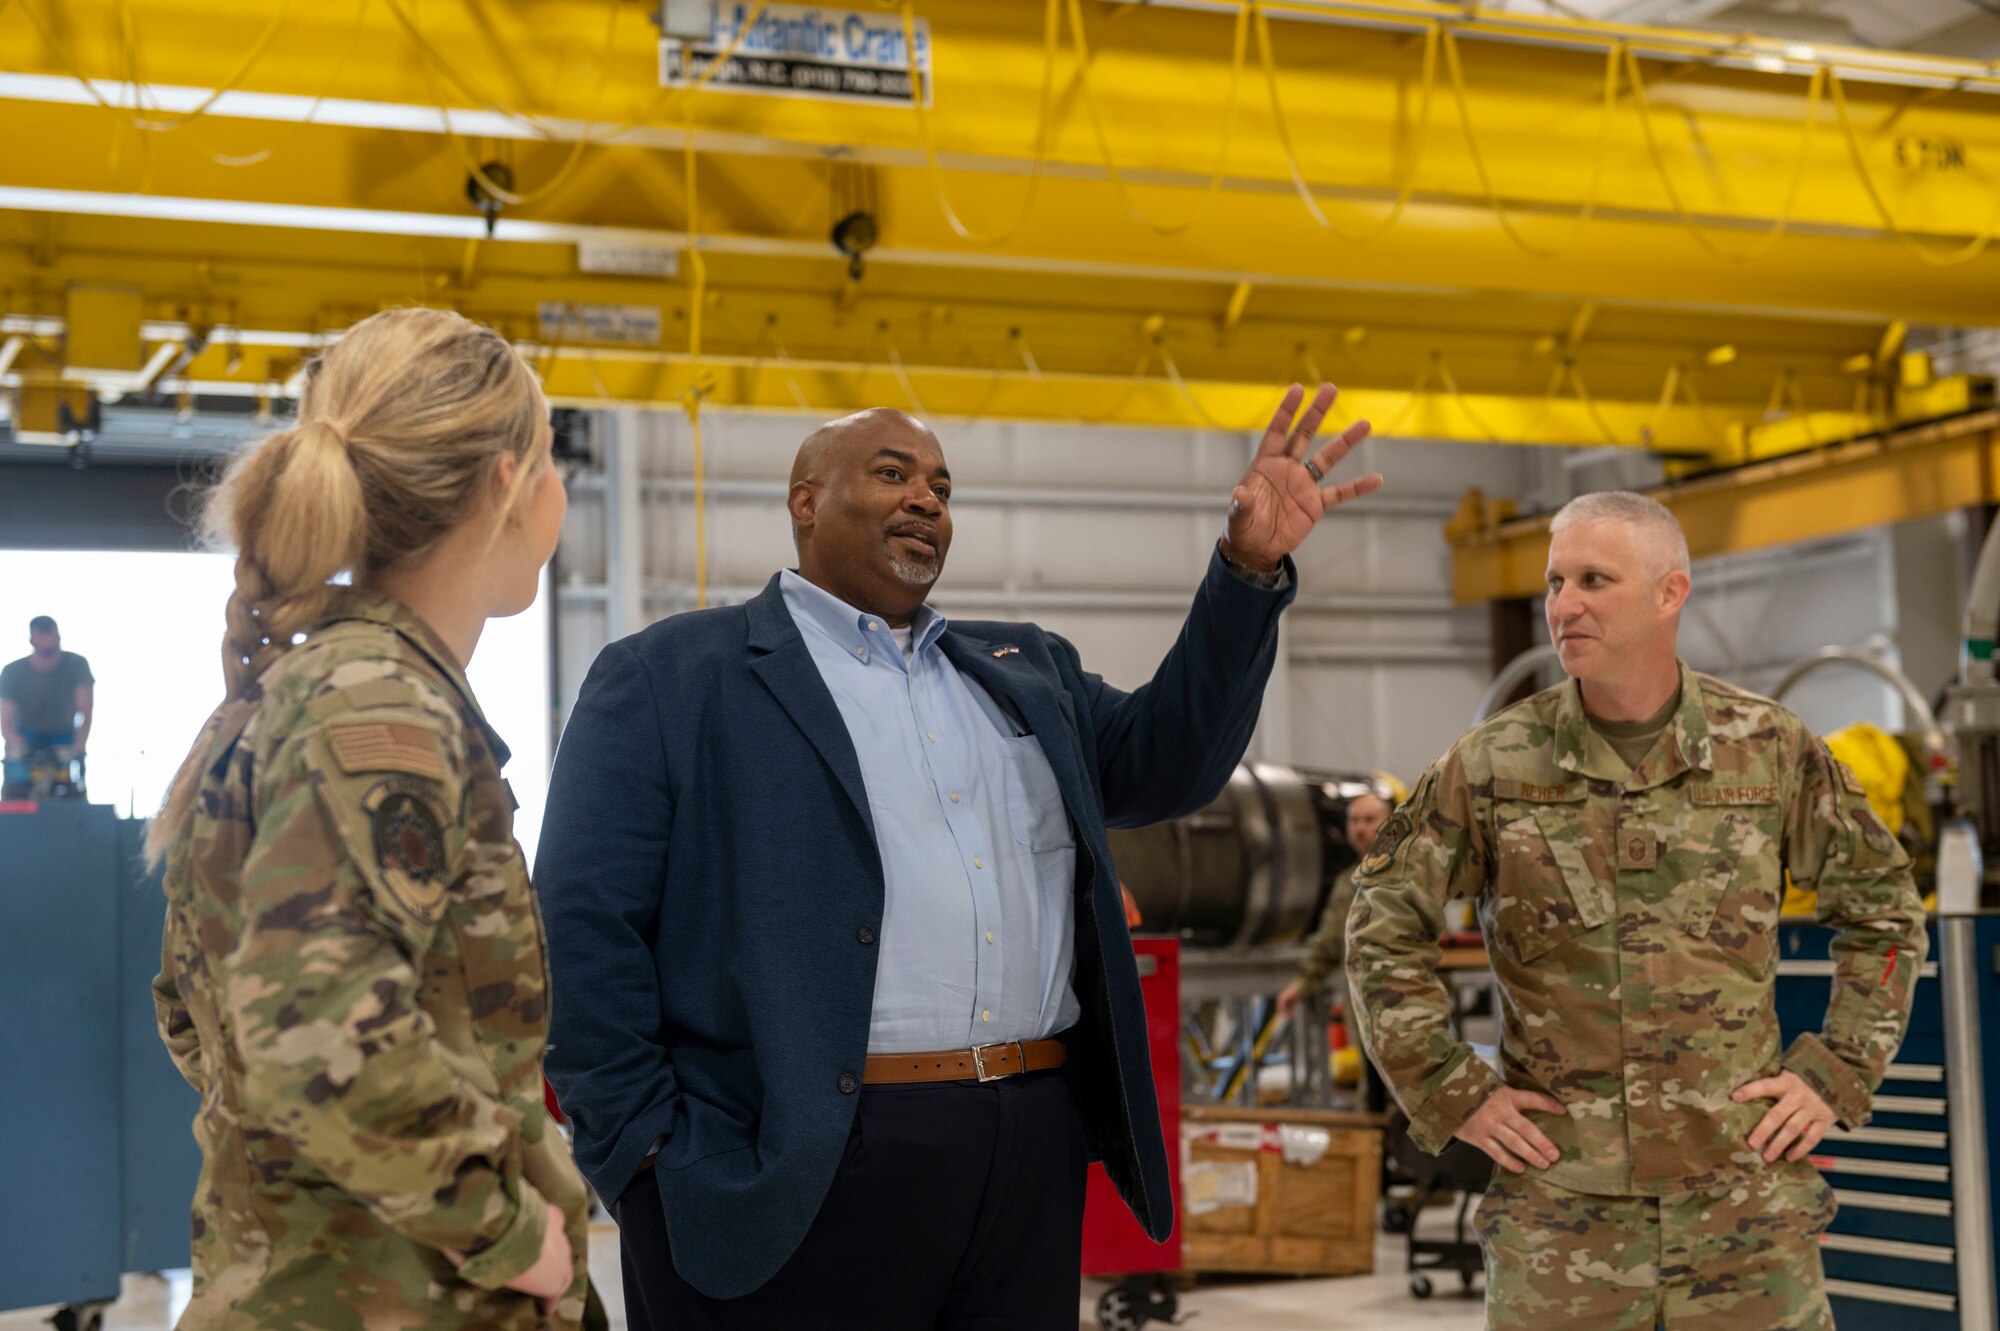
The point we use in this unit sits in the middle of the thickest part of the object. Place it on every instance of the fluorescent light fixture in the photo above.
(285, 109)
(173, 330)
(305, 217)
(169, 99)
(31, 326)
(1802, 52)
(1767, 63)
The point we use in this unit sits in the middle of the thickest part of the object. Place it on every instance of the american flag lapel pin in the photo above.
(1006, 651)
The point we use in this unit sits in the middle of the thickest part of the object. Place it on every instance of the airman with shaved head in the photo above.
(1625, 837)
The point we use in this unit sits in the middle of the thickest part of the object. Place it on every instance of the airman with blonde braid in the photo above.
(353, 971)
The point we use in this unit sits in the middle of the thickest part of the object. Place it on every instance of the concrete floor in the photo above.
(1379, 1302)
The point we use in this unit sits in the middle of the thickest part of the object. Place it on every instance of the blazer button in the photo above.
(847, 1083)
(864, 934)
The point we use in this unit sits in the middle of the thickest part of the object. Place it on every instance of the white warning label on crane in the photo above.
(850, 55)
(619, 325)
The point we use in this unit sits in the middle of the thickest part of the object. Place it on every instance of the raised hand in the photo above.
(1286, 492)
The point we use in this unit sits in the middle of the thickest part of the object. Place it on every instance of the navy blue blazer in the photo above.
(711, 887)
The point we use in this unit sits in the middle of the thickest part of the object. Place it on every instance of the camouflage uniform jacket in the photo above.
(1633, 926)
(1328, 944)
(354, 979)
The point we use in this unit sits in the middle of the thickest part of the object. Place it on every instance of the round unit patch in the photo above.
(1388, 840)
(409, 848)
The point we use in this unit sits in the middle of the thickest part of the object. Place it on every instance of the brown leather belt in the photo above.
(986, 1062)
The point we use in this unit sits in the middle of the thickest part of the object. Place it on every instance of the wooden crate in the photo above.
(1316, 1219)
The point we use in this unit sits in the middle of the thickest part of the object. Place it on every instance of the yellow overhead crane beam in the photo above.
(1567, 167)
(1681, 172)
(791, 334)
(1914, 473)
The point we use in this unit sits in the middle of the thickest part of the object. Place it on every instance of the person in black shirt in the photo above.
(46, 699)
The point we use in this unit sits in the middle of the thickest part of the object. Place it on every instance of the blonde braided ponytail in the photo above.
(400, 426)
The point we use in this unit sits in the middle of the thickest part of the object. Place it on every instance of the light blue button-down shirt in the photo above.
(978, 860)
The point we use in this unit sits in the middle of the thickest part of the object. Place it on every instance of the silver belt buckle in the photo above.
(979, 1060)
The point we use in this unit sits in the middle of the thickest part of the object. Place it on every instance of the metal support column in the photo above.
(1965, 1099)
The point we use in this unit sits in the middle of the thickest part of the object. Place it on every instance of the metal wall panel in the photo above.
(59, 1082)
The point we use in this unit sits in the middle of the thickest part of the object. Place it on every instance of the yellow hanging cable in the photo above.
(1041, 380)
(1604, 114)
(1410, 400)
(966, 422)
(1972, 248)
(784, 359)
(1405, 180)
(1776, 399)
(456, 77)
(546, 356)
(1458, 93)
(691, 400)
(68, 57)
(903, 378)
(689, 88)
(1201, 209)
(584, 141)
(1451, 387)
(698, 298)
(920, 104)
(1193, 403)
(128, 52)
(291, 132)
(1310, 364)
(587, 138)
(1781, 223)
(1594, 194)
(1549, 396)
(596, 379)
(1590, 405)
(174, 120)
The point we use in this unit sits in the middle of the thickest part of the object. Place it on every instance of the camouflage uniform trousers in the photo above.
(1738, 1259)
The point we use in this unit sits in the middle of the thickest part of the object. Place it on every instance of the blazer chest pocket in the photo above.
(1544, 891)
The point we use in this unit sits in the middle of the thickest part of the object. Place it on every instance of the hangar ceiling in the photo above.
(1485, 225)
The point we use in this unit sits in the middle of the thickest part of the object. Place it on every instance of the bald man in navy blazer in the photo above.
(844, 1000)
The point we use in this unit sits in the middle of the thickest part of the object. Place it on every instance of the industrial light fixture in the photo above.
(483, 196)
(854, 235)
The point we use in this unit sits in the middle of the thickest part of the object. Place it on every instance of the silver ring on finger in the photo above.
(1312, 469)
